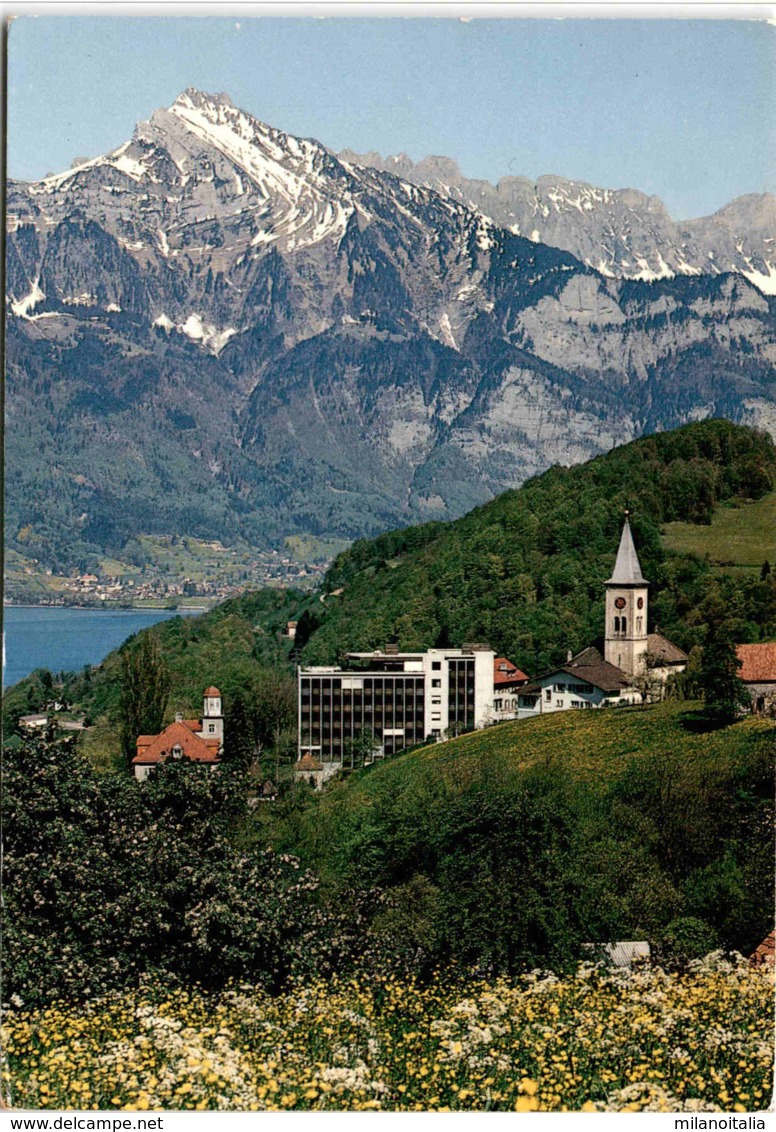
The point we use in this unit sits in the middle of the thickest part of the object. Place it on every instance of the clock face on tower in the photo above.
(619, 603)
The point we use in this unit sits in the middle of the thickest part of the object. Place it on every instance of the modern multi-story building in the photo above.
(394, 698)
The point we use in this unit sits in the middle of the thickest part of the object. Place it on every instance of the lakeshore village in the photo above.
(386, 701)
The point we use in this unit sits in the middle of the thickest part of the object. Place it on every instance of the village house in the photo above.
(38, 721)
(507, 681)
(758, 672)
(312, 771)
(585, 681)
(199, 740)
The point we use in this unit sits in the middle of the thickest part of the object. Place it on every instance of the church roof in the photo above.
(590, 655)
(589, 666)
(660, 648)
(627, 569)
(211, 691)
(600, 673)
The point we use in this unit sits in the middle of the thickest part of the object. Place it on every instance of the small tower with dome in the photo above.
(212, 714)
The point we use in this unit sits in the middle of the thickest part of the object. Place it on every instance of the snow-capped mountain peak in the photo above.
(204, 190)
(619, 232)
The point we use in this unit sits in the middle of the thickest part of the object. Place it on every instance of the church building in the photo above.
(200, 740)
(635, 664)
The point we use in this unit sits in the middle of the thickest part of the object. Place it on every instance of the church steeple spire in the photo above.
(627, 593)
(627, 568)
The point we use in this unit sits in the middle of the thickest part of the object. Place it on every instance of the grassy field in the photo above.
(595, 747)
(740, 536)
(312, 548)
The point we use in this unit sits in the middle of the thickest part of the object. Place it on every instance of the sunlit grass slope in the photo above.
(420, 792)
(741, 534)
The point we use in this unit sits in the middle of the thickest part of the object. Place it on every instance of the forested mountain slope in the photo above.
(526, 571)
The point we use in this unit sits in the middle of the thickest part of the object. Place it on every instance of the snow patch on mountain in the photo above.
(285, 170)
(447, 332)
(194, 327)
(25, 306)
(765, 283)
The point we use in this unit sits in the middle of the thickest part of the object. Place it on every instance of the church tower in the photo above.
(626, 609)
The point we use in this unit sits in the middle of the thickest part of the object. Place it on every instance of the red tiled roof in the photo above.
(758, 663)
(157, 748)
(506, 674)
(766, 952)
(211, 691)
(307, 762)
(193, 724)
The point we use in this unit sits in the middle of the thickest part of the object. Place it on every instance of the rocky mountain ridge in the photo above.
(222, 330)
(619, 232)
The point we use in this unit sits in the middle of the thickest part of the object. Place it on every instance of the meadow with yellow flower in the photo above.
(600, 1040)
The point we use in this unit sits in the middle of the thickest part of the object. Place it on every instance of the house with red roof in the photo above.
(765, 954)
(758, 672)
(199, 740)
(507, 680)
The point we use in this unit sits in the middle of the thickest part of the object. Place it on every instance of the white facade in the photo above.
(434, 665)
(626, 628)
(403, 698)
(212, 718)
(563, 691)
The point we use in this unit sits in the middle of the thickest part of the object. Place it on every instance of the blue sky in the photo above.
(679, 108)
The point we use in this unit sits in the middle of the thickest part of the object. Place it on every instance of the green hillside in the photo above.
(524, 572)
(741, 534)
(521, 841)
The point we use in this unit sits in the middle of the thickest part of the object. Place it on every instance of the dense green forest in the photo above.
(526, 571)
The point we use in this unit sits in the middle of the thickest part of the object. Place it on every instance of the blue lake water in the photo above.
(64, 640)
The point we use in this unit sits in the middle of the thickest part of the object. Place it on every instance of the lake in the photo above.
(64, 639)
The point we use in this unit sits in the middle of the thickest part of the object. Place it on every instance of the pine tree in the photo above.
(723, 690)
(239, 734)
(145, 688)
